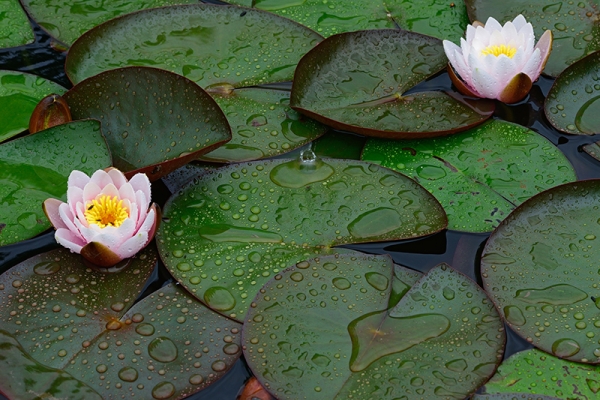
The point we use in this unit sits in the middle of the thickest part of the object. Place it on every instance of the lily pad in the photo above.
(538, 374)
(573, 103)
(81, 323)
(229, 230)
(19, 94)
(333, 335)
(479, 176)
(437, 18)
(574, 25)
(539, 266)
(66, 20)
(154, 121)
(15, 29)
(358, 81)
(221, 48)
(36, 167)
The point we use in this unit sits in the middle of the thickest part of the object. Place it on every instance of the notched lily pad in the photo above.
(36, 167)
(331, 324)
(229, 230)
(539, 266)
(548, 377)
(481, 175)
(358, 81)
(154, 121)
(574, 25)
(19, 94)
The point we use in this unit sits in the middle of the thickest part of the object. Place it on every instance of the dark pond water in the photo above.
(460, 250)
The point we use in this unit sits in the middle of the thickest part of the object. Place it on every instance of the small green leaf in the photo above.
(36, 167)
(15, 29)
(539, 266)
(481, 175)
(358, 82)
(229, 230)
(19, 94)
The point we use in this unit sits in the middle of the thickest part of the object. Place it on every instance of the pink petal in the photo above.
(127, 192)
(66, 238)
(142, 206)
(67, 217)
(117, 177)
(74, 196)
(133, 245)
(77, 179)
(90, 192)
(545, 46)
(89, 232)
(110, 190)
(123, 232)
(133, 213)
(149, 222)
(101, 178)
(141, 182)
(51, 208)
(80, 213)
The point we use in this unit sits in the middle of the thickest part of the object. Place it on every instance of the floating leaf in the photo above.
(436, 18)
(329, 327)
(82, 323)
(36, 167)
(574, 25)
(358, 82)
(15, 29)
(548, 377)
(512, 396)
(229, 230)
(539, 266)
(19, 95)
(154, 121)
(67, 20)
(481, 175)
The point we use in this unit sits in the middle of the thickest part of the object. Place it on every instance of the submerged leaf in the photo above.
(51, 111)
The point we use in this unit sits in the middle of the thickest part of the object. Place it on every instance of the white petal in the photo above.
(89, 232)
(90, 192)
(463, 71)
(78, 179)
(519, 22)
(133, 214)
(510, 34)
(66, 238)
(142, 204)
(486, 84)
(148, 222)
(133, 245)
(470, 34)
(533, 67)
(118, 178)
(492, 25)
(110, 240)
(141, 182)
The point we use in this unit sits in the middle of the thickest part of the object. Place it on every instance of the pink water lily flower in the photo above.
(498, 62)
(106, 218)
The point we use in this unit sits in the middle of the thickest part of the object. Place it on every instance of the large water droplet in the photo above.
(377, 280)
(128, 374)
(553, 295)
(163, 390)
(565, 348)
(306, 170)
(375, 223)
(162, 349)
(514, 315)
(219, 298)
(46, 268)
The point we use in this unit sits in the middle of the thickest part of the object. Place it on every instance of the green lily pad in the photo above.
(19, 94)
(66, 20)
(573, 103)
(479, 176)
(154, 121)
(229, 230)
(81, 323)
(330, 327)
(512, 396)
(574, 25)
(358, 81)
(15, 29)
(36, 167)
(437, 18)
(224, 49)
(539, 266)
(593, 150)
(532, 372)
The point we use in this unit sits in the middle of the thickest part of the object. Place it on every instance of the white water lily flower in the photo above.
(106, 218)
(498, 62)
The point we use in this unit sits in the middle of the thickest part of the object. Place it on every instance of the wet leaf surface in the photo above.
(573, 103)
(436, 18)
(36, 167)
(358, 81)
(533, 371)
(229, 230)
(539, 266)
(19, 94)
(67, 20)
(82, 322)
(14, 25)
(154, 121)
(574, 25)
(479, 176)
(335, 320)
(222, 49)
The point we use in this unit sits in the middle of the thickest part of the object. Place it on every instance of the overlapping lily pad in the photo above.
(481, 175)
(229, 230)
(338, 328)
(540, 268)
(536, 372)
(64, 320)
(221, 48)
(67, 20)
(358, 81)
(36, 167)
(437, 18)
(154, 121)
(14, 25)
(19, 94)
(574, 25)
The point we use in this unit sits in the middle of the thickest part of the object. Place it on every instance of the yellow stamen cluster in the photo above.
(106, 211)
(508, 51)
